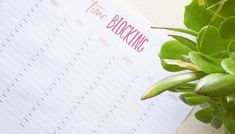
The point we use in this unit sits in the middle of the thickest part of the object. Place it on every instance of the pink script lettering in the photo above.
(128, 33)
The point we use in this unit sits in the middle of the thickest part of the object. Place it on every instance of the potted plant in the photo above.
(207, 59)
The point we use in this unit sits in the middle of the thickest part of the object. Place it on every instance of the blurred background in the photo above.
(160, 12)
(169, 13)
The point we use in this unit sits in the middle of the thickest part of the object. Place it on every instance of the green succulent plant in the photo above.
(207, 59)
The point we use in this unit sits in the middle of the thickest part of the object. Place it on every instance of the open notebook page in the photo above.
(65, 70)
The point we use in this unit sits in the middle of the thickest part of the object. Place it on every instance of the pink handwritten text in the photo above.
(128, 33)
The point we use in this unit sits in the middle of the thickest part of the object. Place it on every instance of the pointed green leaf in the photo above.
(171, 82)
(185, 41)
(206, 63)
(180, 30)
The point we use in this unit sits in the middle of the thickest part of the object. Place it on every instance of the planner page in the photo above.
(81, 67)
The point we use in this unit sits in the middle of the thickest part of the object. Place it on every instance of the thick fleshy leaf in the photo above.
(206, 63)
(205, 115)
(209, 41)
(196, 16)
(184, 95)
(196, 100)
(207, 79)
(227, 28)
(229, 122)
(172, 82)
(187, 87)
(227, 9)
(185, 41)
(173, 50)
(231, 50)
(229, 65)
(216, 86)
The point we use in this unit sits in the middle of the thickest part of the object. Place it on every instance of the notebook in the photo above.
(81, 67)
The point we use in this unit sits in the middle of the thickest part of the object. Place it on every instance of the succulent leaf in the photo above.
(229, 65)
(171, 82)
(209, 41)
(173, 50)
(227, 30)
(216, 85)
(205, 115)
(206, 63)
(196, 16)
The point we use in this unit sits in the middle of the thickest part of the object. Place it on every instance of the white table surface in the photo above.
(169, 13)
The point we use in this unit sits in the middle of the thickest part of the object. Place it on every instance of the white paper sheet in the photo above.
(64, 72)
